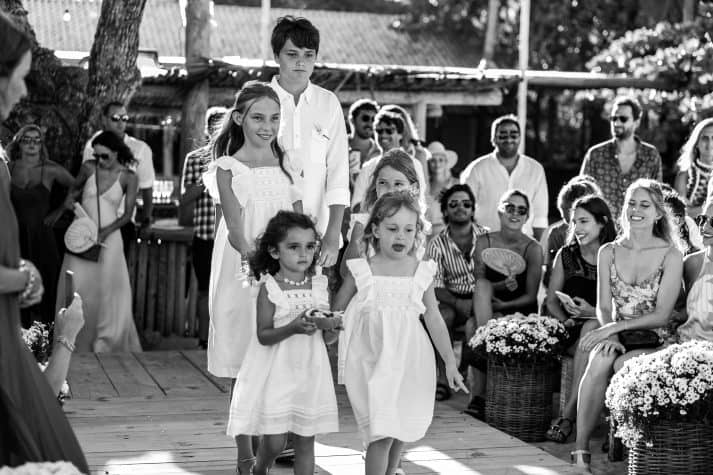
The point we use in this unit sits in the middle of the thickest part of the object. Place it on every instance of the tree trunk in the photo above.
(113, 75)
(491, 34)
(689, 10)
(197, 50)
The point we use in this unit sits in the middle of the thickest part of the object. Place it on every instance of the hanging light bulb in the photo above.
(66, 16)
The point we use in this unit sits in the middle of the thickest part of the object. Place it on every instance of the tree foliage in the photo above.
(564, 34)
(373, 6)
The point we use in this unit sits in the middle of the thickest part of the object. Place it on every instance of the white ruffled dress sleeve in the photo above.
(361, 272)
(240, 185)
(278, 298)
(422, 279)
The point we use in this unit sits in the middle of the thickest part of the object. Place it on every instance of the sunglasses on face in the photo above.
(620, 118)
(467, 204)
(505, 136)
(119, 118)
(385, 130)
(101, 156)
(31, 140)
(702, 220)
(512, 209)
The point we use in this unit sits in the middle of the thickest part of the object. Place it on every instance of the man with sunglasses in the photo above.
(452, 250)
(505, 169)
(620, 161)
(114, 118)
(361, 121)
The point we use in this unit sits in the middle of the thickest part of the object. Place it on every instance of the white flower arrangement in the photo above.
(44, 468)
(520, 338)
(674, 384)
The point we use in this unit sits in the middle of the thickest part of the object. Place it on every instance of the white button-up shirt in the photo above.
(314, 137)
(489, 179)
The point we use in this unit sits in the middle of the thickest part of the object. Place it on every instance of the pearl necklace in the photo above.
(292, 282)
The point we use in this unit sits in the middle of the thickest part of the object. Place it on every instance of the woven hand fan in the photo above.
(505, 261)
(82, 233)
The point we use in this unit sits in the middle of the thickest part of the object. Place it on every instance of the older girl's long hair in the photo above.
(387, 206)
(664, 227)
(399, 161)
(689, 151)
(13, 148)
(230, 138)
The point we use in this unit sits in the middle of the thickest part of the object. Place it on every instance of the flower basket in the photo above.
(674, 447)
(519, 399)
(662, 405)
(521, 352)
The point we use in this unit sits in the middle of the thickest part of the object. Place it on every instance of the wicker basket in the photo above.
(519, 399)
(678, 447)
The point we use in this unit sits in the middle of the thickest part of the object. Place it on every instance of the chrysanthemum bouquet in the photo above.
(674, 384)
(37, 339)
(44, 468)
(518, 338)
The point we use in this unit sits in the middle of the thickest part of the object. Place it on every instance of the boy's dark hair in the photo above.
(107, 107)
(631, 102)
(446, 195)
(360, 105)
(298, 29)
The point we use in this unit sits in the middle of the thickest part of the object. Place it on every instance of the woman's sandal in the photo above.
(443, 392)
(582, 459)
(242, 463)
(558, 434)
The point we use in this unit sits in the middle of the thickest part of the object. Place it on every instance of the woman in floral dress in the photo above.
(638, 279)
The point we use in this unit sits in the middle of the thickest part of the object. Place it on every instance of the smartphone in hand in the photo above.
(68, 288)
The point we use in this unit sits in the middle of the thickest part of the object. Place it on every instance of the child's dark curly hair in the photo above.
(261, 261)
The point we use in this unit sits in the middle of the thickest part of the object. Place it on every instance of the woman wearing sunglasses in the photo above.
(105, 184)
(698, 280)
(499, 291)
(33, 176)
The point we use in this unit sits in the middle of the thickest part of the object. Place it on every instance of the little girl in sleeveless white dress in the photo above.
(386, 359)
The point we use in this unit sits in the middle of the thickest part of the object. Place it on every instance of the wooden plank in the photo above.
(162, 297)
(176, 375)
(127, 375)
(141, 275)
(87, 378)
(152, 284)
(192, 305)
(179, 322)
(171, 289)
(199, 359)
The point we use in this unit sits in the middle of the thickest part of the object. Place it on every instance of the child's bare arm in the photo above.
(267, 334)
(345, 294)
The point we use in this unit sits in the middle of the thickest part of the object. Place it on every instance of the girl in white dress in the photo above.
(394, 172)
(285, 382)
(386, 360)
(248, 179)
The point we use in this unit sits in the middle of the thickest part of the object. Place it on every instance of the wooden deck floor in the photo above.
(162, 413)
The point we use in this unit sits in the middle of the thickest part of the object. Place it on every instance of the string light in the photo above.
(66, 16)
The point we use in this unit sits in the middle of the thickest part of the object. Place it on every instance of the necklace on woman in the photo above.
(292, 282)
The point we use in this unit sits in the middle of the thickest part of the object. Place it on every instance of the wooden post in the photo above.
(524, 59)
(265, 30)
(419, 117)
(152, 291)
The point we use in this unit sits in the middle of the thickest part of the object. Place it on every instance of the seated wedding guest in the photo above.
(574, 273)
(638, 282)
(440, 178)
(698, 279)
(507, 275)
(688, 233)
(33, 427)
(33, 177)
(453, 251)
(555, 235)
(695, 165)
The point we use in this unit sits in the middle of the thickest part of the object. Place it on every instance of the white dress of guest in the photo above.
(261, 192)
(287, 387)
(386, 359)
(699, 305)
(104, 285)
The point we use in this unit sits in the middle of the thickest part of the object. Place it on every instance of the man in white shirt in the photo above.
(312, 131)
(114, 119)
(503, 169)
